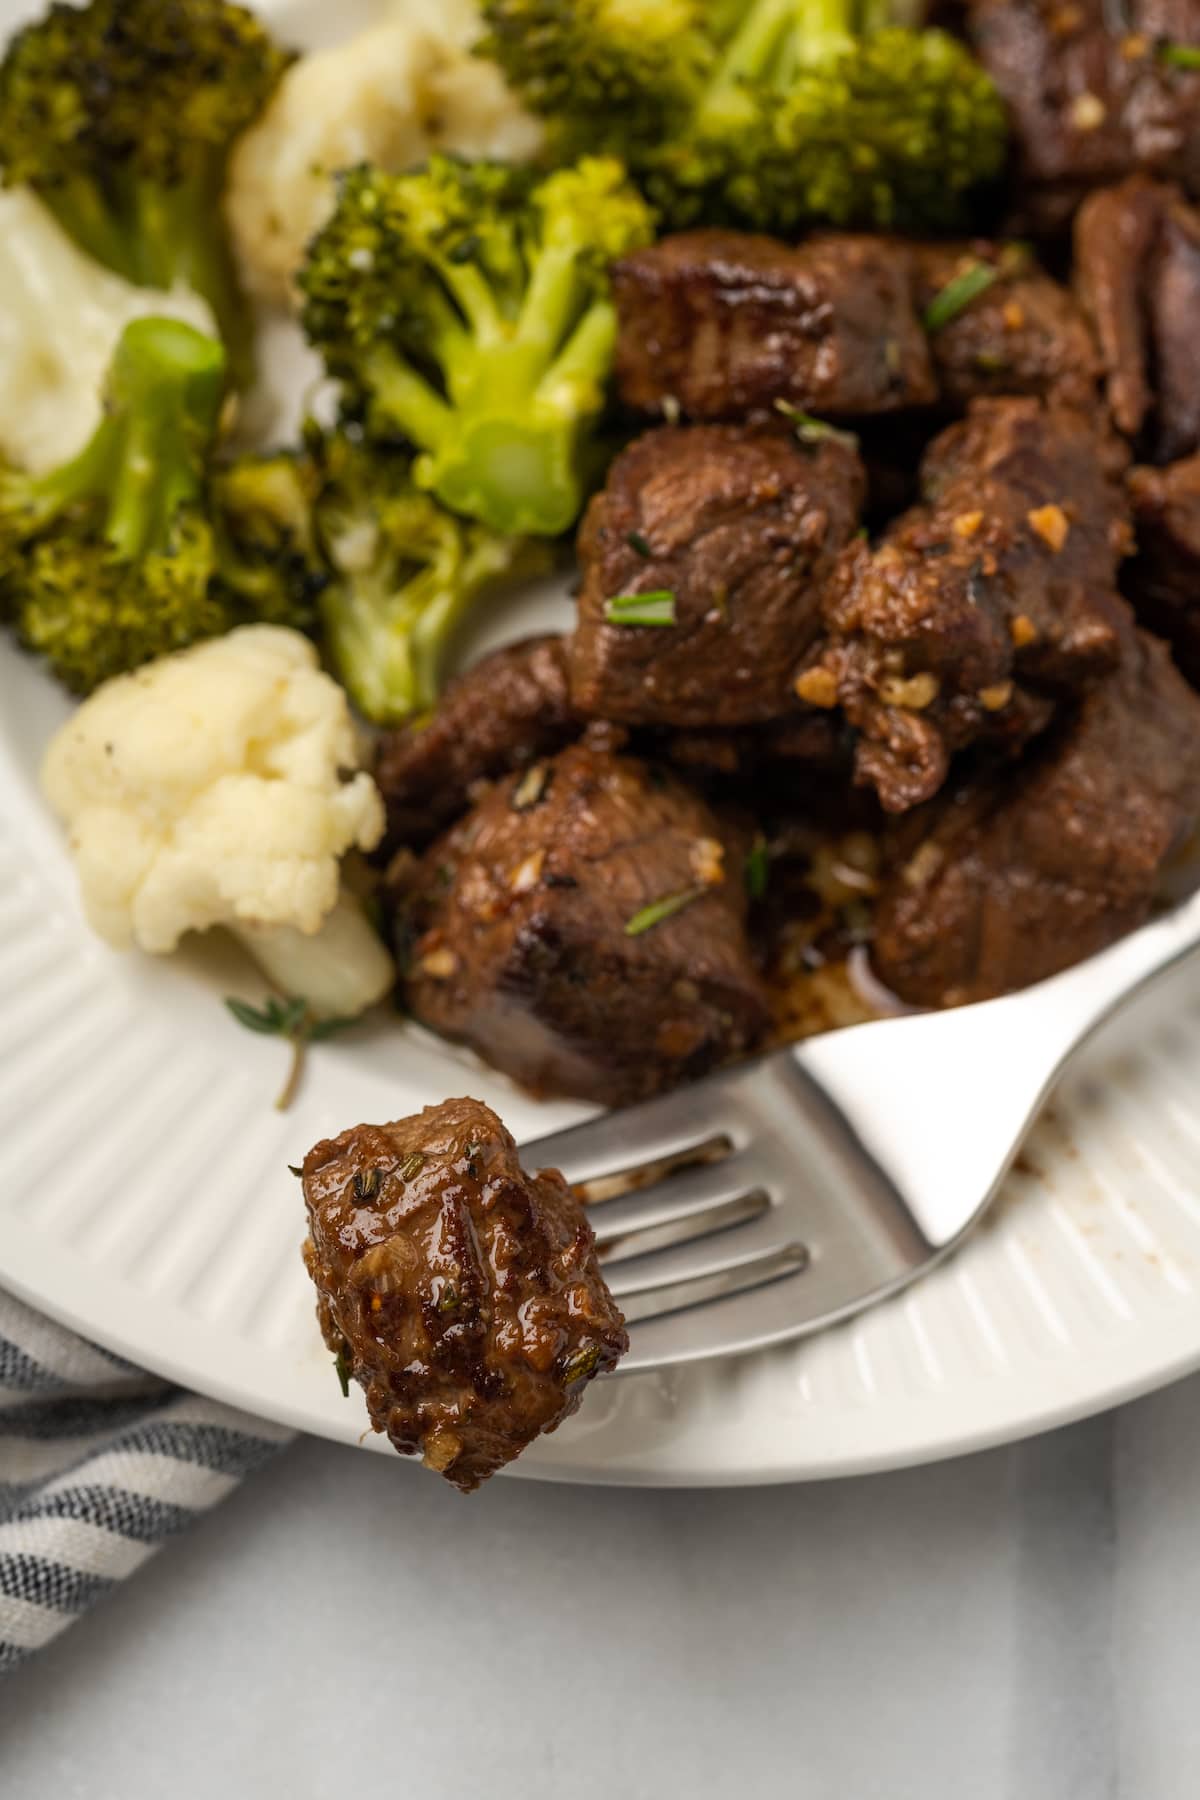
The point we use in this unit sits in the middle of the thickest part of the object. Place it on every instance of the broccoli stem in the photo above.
(749, 52)
(368, 634)
(575, 379)
(180, 241)
(86, 215)
(551, 301)
(775, 40)
(146, 457)
(340, 970)
(403, 399)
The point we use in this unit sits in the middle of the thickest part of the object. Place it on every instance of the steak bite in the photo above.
(1093, 94)
(1021, 873)
(983, 603)
(1163, 579)
(1023, 334)
(463, 1294)
(583, 929)
(1137, 269)
(740, 526)
(721, 324)
(503, 713)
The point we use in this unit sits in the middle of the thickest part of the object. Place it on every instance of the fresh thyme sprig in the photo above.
(292, 1019)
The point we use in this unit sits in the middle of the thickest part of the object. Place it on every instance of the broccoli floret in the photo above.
(117, 551)
(466, 309)
(133, 549)
(779, 114)
(269, 566)
(406, 572)
(121, 115)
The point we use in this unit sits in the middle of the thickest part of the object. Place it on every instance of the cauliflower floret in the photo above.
(391, 95)
(59, 324)
(221, 786)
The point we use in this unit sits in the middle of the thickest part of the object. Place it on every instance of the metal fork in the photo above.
(814, 1182)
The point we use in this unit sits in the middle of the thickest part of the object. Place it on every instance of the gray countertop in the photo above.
(1023, 1625)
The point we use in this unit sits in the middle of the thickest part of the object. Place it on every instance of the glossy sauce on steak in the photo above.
(462, 1293)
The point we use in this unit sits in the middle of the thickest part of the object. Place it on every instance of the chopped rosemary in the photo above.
(343, 1366)
(412, 1165)
(296, 1170)
(811, 430)
(637, 542)
(1180, 56)
(757, 868)
(366, 1183)
(958, 294)
(288, 1018)
(657, 608)
(658, 910)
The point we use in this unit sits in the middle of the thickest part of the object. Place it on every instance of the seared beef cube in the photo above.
(1025, 334)
(1163, 579)
(582, 929)
(996, 593)
(1093, 94)
(1022, 873)
(740, 526)
(1137, 261)
(802, 740)
(463, 1294)
(719, 324)
(505, 712)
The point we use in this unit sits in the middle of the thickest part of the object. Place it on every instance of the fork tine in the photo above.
(680, 1196)
(796, 1301)
(616, 1141)
(717, 1253)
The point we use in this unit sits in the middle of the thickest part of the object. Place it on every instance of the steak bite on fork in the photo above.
(462, 1293)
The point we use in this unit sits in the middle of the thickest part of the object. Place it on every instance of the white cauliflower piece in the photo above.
(391, 95)
(60, 321)
(221, 786)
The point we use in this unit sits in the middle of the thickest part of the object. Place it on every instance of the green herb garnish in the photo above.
(811, 430)
(342, 1365)
(957, 295)
(658, 910)
(366, 1183)
(757, 869)
(290, 1019)
(637, 542)
(1180, 56)
(412, 1165)
(657, 608)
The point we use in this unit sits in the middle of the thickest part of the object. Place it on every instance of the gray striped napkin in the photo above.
(99, 1463)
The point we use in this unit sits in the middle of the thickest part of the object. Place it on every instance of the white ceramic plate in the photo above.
(145, 1199)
